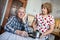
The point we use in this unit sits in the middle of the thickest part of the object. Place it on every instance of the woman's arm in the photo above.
(52, 24)
(50, 30)
(34, 24)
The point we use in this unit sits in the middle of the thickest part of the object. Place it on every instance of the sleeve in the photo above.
(9, 25)
(35, 18)
(27, 27)
(52, 21)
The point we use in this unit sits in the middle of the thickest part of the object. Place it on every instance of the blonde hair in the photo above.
(48, 6)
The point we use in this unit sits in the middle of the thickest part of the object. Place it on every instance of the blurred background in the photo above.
(33, 7)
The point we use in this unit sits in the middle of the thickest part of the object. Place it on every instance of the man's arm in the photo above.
(8, 27)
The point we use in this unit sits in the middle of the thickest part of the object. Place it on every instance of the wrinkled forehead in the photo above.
(21, 9)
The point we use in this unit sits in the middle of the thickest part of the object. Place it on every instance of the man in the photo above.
(15, 28)
(15, 23)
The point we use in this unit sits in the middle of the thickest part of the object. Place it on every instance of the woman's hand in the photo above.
(42, 35)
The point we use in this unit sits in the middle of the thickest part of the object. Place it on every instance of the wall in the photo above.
(33, 7)
(43, 1)
(56, 8)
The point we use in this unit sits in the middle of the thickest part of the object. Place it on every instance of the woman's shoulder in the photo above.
(51, 16)
(39, 14)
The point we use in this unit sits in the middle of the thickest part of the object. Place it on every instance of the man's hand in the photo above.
(18, 32)
(22, 33)
(25, 34)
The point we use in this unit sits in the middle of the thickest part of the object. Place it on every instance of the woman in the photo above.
(45, 21)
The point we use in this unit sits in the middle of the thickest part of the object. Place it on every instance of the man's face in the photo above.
(21, 13)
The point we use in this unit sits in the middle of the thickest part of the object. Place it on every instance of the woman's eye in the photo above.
(44, 8)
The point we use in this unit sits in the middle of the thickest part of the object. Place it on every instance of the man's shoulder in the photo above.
(12, 18)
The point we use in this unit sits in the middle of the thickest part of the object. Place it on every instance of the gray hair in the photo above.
(18, 9)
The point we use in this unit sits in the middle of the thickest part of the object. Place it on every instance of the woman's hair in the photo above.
(48, 6)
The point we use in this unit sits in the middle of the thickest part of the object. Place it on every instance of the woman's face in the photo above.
(21, 13)
(44, 10)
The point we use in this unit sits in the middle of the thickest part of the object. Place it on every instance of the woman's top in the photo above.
(43, 23)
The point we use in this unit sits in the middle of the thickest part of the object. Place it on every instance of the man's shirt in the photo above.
(14, 24)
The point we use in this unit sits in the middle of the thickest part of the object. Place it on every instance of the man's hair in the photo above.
(18, 9)
(48, 6)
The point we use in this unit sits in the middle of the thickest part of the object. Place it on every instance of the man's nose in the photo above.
(20, 13)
